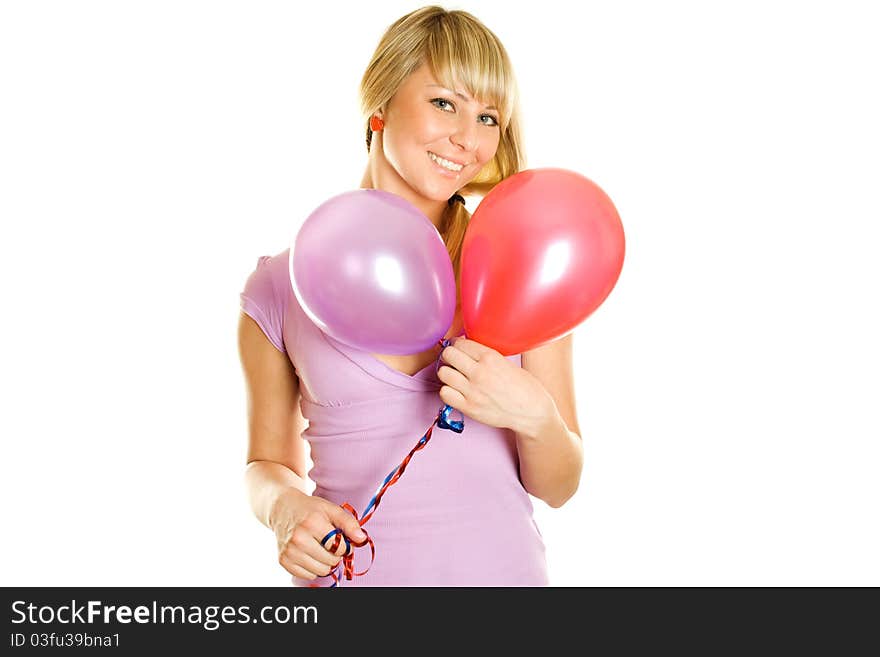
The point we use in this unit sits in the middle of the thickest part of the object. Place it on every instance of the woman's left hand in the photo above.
(484, 385)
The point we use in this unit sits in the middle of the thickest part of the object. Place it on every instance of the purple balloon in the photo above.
(373, 272)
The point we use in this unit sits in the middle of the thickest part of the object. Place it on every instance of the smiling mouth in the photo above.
(445, 164)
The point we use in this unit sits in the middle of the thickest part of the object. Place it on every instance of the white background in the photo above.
(727, 389)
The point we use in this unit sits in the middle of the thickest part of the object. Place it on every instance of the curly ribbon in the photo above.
(442, 421)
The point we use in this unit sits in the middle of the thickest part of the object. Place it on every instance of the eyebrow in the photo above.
(462, 96)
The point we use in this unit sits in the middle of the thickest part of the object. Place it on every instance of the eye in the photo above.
(443, 100)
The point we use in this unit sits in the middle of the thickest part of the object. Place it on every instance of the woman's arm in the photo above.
(270, 486)
(536, 401)
(551, 461)
(275, 472)
(551, 455)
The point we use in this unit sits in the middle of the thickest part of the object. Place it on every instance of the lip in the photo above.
(449, 159)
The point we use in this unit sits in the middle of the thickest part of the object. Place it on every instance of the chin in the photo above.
(434, 194)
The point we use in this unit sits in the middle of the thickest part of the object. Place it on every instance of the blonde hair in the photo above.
(454, 44)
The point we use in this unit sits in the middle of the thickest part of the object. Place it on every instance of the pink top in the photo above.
(458, 516)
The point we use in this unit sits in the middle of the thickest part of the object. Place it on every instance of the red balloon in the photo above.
(543, 249)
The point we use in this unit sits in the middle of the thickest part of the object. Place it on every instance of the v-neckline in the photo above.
(433, 363)
(423, 380)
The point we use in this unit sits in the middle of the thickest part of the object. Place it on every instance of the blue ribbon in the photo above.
(443, 421)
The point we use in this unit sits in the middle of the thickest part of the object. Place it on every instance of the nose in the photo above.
(465, 137)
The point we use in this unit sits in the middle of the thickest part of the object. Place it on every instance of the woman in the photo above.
(440, 104)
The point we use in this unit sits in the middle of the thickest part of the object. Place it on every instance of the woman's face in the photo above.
(424, 120)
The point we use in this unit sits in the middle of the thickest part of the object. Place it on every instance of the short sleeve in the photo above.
(261, 301)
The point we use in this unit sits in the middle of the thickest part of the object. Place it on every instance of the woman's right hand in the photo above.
(300, 521)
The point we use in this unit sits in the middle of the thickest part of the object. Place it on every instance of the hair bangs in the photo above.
(457, 53)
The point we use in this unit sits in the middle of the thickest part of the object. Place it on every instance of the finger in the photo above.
(454, 398)
(472, 348)
(328, 544)
(459, 360)
(340, 549)
(290, 562)
(453, 378)
(301, 572)
(311, 547)
(320, 568)
(349, 525)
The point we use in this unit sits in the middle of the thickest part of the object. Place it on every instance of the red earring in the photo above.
(376, 124)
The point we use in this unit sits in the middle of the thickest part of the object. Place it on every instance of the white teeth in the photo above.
(446, 164)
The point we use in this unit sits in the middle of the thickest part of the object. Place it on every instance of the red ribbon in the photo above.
(348, 558)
